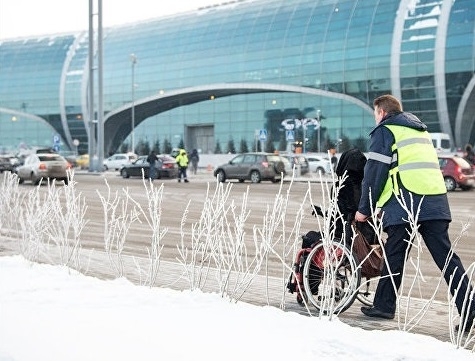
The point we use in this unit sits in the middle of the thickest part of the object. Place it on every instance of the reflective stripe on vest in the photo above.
(414, 164)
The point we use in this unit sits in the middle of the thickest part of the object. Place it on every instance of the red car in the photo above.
(457, 172)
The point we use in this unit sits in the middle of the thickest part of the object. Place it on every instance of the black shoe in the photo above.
(179, 180)
(374, 312)
(186, 180)
(467, 326)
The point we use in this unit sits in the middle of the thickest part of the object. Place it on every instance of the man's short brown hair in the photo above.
(388, 103)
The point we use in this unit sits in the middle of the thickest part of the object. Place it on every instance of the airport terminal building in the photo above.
(243, 71)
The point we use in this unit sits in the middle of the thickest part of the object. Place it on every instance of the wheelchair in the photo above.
(332, 274)
(329, 275)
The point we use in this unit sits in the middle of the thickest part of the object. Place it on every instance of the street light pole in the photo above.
(133, 59)
(319, 126)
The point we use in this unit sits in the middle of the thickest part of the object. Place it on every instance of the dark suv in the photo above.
(5, 164)
(252, 166)
(457, 172)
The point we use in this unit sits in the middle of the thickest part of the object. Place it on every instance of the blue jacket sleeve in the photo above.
(376, 170)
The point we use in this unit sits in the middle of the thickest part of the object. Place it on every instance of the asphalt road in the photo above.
(178, 197)
(190, 197)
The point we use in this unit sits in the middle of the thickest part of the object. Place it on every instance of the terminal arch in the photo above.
(19, 115)
(117, 123)
(465, 118)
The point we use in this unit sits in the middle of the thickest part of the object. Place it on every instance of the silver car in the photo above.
(252, 166)
(319, 164)
(44, 166)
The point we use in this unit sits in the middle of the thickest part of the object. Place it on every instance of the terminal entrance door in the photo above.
(200, 137)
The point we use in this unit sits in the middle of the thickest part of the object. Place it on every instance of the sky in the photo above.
(52, 313)
(20, 18)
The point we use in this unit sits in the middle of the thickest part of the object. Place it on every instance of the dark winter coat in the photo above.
(434, 207)
(194, 157)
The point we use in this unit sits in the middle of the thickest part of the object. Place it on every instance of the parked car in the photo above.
(457, 172)
(5, 164)
(43, 166)
(71, 157)
(117, 161)
(82, 161)
(287, 166)
(297, 160)
(44, 150)
(166, 167)
(252, 166)
(319, 164)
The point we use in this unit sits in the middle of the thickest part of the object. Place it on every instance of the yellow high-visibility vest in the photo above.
(414, 163)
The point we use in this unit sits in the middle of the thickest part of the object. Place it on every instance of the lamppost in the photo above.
(133, 59)
(304, 126)
(319, 126)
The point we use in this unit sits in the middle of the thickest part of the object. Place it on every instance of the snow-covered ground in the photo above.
(53, 313)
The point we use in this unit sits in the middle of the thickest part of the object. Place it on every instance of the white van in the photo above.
(441, 142)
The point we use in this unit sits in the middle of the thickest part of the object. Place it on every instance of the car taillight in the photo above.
(42, 166)
(265, 164)
(167, 166)
(459, 172)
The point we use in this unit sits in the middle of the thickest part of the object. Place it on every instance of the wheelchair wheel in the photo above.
(366, 291)
(331, 277)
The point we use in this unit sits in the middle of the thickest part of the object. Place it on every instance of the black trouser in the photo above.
(182, 172)
(436, 238)
(152, 171)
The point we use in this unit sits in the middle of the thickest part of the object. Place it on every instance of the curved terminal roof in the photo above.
(334, 56)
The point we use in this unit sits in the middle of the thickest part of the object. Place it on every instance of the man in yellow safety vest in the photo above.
(403, 168)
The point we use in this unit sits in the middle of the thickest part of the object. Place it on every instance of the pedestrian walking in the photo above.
(403, 166)
(152, 160)
(194, 158)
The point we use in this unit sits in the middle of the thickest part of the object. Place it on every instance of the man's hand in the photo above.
(360, 217)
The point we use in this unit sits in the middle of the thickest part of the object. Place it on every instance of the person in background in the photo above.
(182, 161)
(333, 158)
(469, 154)
(194, 158)
(152, 160)
(403, 165)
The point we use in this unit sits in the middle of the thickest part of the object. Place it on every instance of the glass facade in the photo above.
(223, 73)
